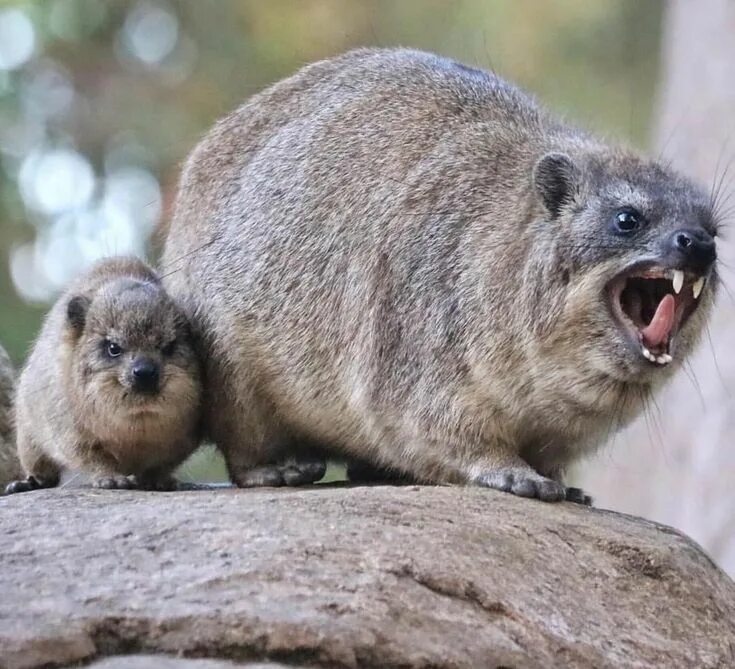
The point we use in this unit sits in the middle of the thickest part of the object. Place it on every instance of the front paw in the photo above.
(524, 483)
(115, 482)
(28, 484)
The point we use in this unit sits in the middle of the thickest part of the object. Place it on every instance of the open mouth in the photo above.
(652, 304)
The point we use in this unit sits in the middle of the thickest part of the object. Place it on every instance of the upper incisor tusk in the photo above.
(697, 287)
(678, 281)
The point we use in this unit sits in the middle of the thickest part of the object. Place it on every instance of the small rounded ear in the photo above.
(76, 312)
(556, 179)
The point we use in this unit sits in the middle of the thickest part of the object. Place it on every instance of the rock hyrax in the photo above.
(112, 386)
(411, 262)
(9, 464)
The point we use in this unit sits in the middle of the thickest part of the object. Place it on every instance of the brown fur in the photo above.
(76, 405)
(9, 463)
(376, 258)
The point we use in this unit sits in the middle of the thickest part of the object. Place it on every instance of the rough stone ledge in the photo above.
(163, 662)
(347, 577)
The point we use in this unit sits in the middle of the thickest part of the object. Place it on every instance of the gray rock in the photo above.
(351, 577)
(162, 662)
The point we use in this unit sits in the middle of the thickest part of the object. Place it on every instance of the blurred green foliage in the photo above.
(148, 77)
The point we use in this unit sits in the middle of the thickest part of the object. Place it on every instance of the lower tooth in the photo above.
(663, 359)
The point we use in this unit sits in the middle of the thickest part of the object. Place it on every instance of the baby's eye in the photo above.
(169, 348)
(113, 350)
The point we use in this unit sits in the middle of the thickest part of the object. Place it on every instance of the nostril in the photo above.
(683, 241)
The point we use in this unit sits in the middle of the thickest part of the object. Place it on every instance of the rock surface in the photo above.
(350, 577)
(161, 662)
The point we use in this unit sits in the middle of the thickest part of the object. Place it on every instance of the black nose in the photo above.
(695, 247)
(145, 375)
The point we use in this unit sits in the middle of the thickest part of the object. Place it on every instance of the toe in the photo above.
(550, 491)
(303, 472)
(127, 483)
(578, 496)
(293, 476)
(115, 483)
(313, 470)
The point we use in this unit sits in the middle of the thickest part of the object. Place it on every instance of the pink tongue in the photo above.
(657, 331)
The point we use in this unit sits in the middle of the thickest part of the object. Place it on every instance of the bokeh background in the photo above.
(101, 100)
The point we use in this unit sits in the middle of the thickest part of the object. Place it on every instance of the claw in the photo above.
(578, 496)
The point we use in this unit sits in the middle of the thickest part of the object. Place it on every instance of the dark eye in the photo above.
(169, 348)
(627, 221)
(113, 349)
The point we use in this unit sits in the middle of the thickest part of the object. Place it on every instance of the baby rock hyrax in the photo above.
(410, 262)
(112, 385)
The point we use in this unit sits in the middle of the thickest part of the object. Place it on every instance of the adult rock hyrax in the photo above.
(9, 464)
(410, 262)
(112, 386)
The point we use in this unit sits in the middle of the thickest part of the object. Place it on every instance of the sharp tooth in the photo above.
(661, 360)
(678, 281)
(667, 358)
(647, 354)
(697, 287)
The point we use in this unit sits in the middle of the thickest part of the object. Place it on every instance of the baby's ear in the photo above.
(556, 179)
(76, 313)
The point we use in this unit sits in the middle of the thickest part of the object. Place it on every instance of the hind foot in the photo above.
(292, 472)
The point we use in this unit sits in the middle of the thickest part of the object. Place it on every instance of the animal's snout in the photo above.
(695, 248)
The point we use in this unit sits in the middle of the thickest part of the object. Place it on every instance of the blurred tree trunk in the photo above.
(677, 466)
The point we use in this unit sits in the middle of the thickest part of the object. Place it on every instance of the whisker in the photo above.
(689, 371)
(193, 251)
(71, 480)
(714, 359)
